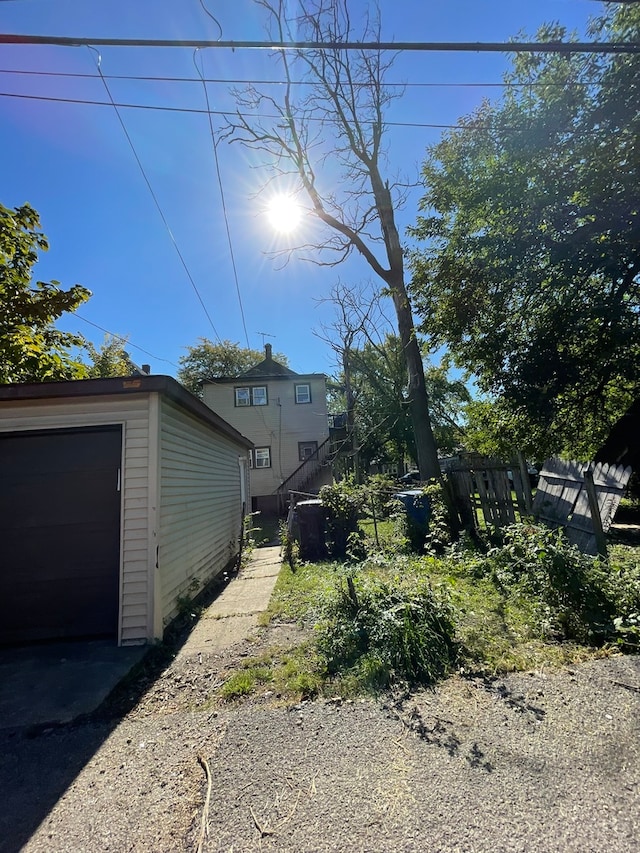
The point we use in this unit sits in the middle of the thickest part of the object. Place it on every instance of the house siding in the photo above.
(132, 412)
(200, 506)
(280, 425)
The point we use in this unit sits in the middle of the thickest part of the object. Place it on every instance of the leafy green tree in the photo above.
(31, 348)
(206, 360)
(531, 270)
(383, 428)
(111, 359)
(382, 411)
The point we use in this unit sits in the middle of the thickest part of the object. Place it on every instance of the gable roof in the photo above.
(267, 367)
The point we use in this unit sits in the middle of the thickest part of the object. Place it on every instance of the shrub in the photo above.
(379, 492)
(343, 504)
(571, 588)
(623, 580)
(388, 630)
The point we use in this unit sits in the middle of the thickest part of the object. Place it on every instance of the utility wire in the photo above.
(84, 101)
(213, 17)
(154, 196)
(395, 46)
(141, 78)
(125, 338)
(225, 215)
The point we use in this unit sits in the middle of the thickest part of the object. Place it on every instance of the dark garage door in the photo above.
(59, 533)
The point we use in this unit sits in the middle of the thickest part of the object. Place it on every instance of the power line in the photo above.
(155, 199)
(125, 338)
(224, 113)
(398, 47)
(225, 215)
(141, 78)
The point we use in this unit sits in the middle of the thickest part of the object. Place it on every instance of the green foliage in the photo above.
(291, 673)
(389, 630)
(530, 601)
(532, 227)
(379, 489)
(111, 359)
(31, 348)
(242, 683)
(343, 503)
(624, 590)
(207, 360)
(290, 547)
(572, 595)
(439, 528)
(379, 380)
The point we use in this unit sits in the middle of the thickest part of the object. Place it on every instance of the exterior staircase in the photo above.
(307, 471)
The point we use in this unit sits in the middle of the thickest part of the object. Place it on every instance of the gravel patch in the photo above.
(531, 762)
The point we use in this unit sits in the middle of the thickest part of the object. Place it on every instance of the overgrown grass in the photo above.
(399, 618)
(288, 673)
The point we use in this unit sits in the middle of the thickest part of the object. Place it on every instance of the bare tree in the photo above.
(358, 311)
(337, 119)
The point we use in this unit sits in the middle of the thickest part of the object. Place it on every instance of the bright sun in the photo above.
(284, 213)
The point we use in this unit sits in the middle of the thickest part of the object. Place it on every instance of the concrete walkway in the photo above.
(57, 682)
(233, 614)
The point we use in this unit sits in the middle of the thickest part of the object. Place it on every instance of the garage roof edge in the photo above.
(165, 385)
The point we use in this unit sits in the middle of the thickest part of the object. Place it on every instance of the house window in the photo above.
(259, 395)
(303, 393)
(243, 397)
(306, 449)
(253, 396)
(262, 457)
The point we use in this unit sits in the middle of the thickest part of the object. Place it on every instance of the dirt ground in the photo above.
(540, 761)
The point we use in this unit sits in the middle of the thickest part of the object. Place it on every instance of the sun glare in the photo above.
(284, 213)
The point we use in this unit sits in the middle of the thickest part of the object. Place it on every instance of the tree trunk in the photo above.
(426, 449)
(351, 428)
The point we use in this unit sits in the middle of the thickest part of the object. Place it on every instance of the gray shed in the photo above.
(118, 499)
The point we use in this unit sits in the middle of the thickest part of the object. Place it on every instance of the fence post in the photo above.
(601, 542)
(526, 486)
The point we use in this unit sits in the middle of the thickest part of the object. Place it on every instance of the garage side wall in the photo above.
(133, 413)
(200, 506)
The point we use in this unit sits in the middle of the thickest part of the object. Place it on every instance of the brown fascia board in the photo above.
(240, 380)
(165, 385)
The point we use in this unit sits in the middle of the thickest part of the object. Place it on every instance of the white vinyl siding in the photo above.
(132, 412)
(200, 505)
(281, 426)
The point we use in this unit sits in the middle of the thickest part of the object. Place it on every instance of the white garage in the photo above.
(118, 498)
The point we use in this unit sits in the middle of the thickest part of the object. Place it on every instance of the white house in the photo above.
(285, 415)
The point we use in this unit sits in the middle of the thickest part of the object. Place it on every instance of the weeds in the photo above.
(527, 601)
(396, 629)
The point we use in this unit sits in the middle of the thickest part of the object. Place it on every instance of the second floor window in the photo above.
(303, 393)
(255, 395)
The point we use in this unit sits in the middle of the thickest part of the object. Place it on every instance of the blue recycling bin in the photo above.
(417, 506)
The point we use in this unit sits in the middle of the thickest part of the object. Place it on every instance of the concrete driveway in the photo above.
(54, 683)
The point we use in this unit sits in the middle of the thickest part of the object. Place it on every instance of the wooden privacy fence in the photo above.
(567, 495)
(582, 497)
(497, 489)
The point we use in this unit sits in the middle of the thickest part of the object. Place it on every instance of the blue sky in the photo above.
(73, 163)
